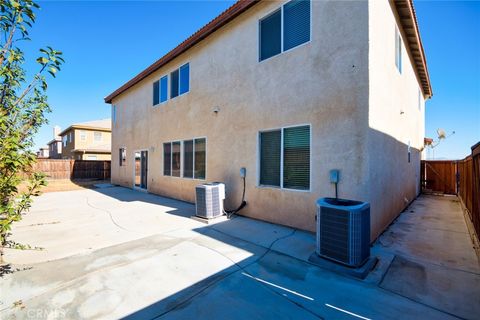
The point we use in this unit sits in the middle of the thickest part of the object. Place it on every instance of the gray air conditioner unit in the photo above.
(209, 200)
(343, 231)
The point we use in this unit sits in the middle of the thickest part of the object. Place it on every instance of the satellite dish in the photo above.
(441, 134)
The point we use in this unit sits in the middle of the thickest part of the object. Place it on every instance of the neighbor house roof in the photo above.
(101, 125)
(405, 10)
(54, 140)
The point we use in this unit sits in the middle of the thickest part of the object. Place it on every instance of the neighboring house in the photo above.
(55, 145)
(87, 140)
(43, 152)
(289, 90)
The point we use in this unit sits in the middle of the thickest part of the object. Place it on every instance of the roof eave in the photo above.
(221, 20)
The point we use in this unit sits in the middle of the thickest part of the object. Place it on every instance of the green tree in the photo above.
(23, 109)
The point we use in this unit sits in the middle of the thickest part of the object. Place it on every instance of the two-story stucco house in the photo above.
(288, 90)
(87, 140)
(55, 145)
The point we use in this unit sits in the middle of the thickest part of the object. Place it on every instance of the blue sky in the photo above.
(107, 43)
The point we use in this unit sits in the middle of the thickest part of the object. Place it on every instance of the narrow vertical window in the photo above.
(164, 89)
(155, 92)
(271, 35)
(176, 159)
(97, 136)
(398, 50)
(188, 159)
(296, 158)
(83, 135)
(270, 158)
(296, 23)
(200, 158)
(114, 114)
(167, 159)
(174, 76)
(184, 78)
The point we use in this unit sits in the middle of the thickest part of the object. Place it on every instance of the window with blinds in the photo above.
(285, 158)
(296, 158)
(270, 35)
(296, 23)
(286, 28)
(270, 155)
(193, 154)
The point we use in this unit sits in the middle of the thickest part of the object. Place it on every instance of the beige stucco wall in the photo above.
(394, 119)
(89, 142)
(323, 83)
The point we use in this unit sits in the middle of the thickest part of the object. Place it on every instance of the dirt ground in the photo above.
(69, 185)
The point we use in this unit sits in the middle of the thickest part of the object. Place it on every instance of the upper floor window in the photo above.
(83, 135)
(286, 28)
(97, 136)
(285, 158)
(64, 140)
(398, 50)
(179, 84)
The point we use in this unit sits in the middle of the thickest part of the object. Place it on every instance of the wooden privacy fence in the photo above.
(460, 177)
(439, 176)
(73, 169)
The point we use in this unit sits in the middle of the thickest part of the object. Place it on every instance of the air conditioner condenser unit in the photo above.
(209, 199)
(343, 231)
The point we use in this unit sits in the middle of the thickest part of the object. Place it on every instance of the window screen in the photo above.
(188, 159)
(270, 144)
(200, 158)
(296, 158)
(270, 35)
(155, 92)
(176, 159)
(184, 78)
(167, 159)
(174, 84)
(164, 89)
(97, 136)
(296, 23)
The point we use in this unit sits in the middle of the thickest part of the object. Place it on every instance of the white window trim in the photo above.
(182, 156)
(281, 32)
(281, 187)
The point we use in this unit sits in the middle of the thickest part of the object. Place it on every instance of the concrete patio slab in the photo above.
(115, 252)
